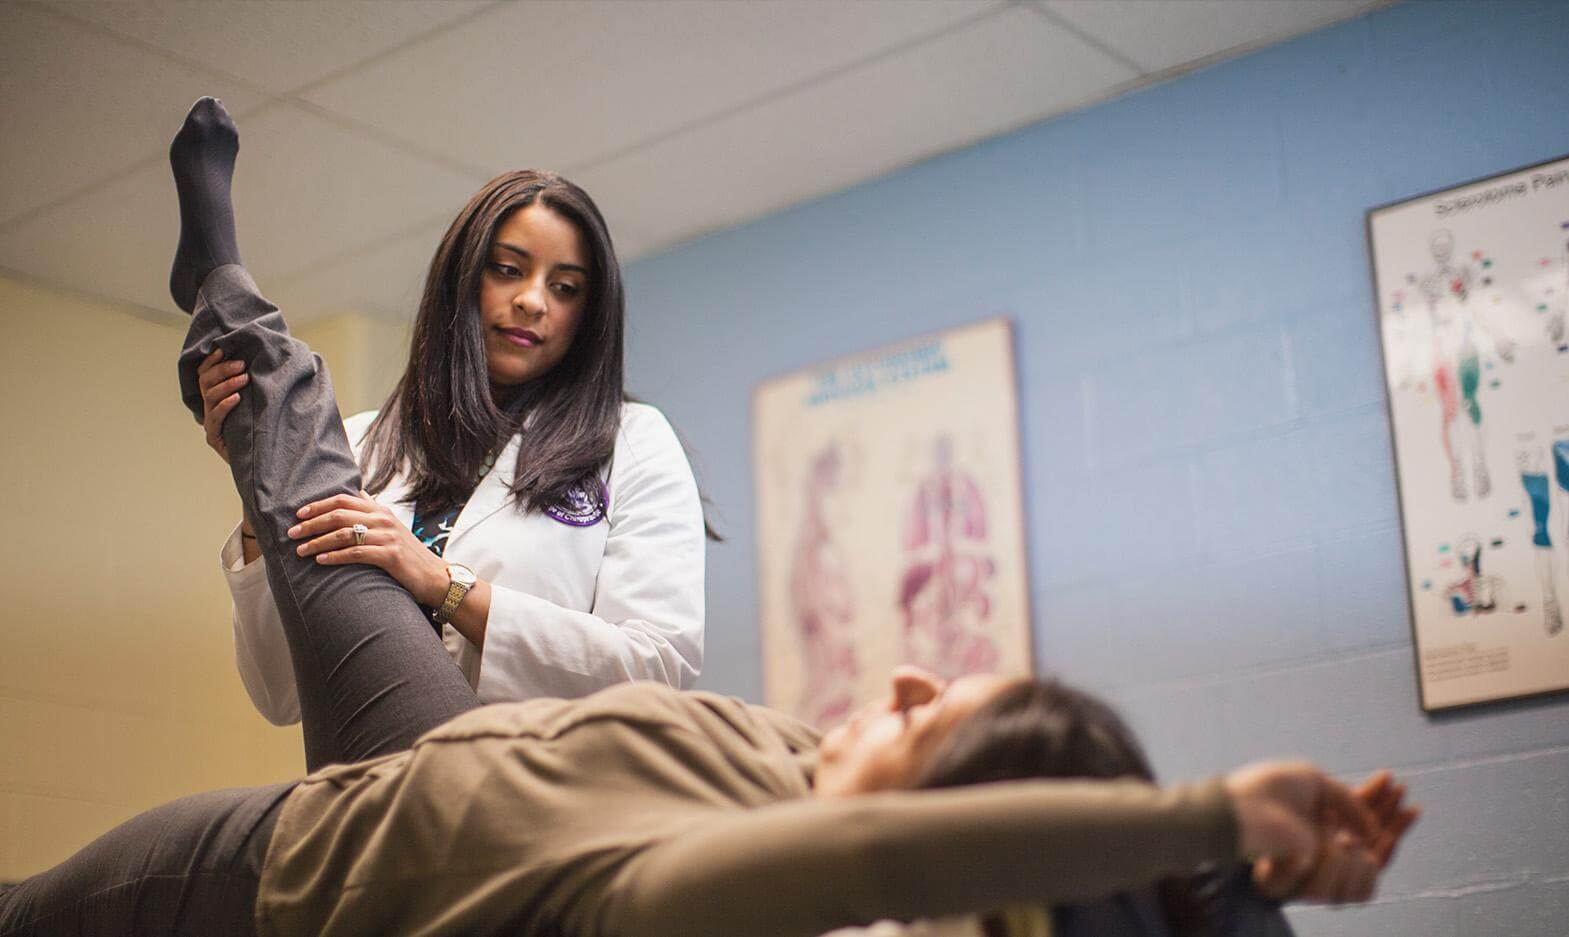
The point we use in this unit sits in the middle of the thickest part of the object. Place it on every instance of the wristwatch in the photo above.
(463, 580)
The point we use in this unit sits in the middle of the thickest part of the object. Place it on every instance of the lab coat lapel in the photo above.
(395, 497)
(490, 496)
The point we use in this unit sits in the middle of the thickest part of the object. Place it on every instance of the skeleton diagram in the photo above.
(1457, 366)
(822, 602)
(948, 567)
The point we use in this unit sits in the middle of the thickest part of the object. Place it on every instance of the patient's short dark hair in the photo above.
(1038, 729)
(1045, 728)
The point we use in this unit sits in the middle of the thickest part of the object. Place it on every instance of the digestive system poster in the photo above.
(890, 520)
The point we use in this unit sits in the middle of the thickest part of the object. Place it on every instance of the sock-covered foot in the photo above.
(202, 156)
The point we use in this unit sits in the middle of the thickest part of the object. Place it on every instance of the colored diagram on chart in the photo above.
(1473, 300)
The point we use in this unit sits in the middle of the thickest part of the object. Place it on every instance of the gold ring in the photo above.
(360, 530)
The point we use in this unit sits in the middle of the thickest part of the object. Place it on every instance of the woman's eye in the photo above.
(506, 270)
(567, 289)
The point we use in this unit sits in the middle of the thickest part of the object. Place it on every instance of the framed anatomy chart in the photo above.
(890, 519)
(1472, 288)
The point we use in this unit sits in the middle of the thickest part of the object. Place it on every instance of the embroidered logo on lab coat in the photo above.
(583, 508)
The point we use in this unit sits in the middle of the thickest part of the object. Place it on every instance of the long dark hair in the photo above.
(1047, 729)
(441, 420)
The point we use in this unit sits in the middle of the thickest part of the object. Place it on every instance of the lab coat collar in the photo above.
(396, 497)
(491, 495)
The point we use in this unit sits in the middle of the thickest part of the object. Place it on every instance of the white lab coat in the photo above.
(572, 609)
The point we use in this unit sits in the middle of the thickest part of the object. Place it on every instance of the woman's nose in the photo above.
(530, 301)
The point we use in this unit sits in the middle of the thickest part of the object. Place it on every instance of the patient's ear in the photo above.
(913, 686)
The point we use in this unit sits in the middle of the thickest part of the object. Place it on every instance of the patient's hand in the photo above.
(1292, 813)
(1386, 798)
(1317, 878)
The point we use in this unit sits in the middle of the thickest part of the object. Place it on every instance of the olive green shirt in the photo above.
(649, 812)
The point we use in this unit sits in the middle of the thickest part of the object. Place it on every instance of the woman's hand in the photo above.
(220, 382)
(327, 527)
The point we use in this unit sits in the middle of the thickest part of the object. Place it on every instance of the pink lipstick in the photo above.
(523, 338)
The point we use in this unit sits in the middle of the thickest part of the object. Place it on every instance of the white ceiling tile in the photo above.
(552, 84)
(78, 107)
(385, 279)
(681, 117)
(305, 191)
(116, 243)
(632, 243)
(992, 76)
(1162, 34)
(275, 45)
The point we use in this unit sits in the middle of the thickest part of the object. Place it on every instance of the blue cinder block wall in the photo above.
(1213, 528)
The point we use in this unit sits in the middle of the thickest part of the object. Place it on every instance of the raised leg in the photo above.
(372, 675)
(203, 155)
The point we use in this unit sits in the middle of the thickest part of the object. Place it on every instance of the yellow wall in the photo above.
(117, 682)
(366, 356)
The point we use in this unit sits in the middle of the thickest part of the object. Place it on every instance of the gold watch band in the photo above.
(456, 591)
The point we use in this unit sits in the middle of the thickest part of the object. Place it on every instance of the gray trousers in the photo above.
(372, 675)
(187, 868)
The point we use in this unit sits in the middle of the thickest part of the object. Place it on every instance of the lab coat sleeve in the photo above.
(261, 649)
(647, 617)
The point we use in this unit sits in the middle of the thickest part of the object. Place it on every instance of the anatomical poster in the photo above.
(1473, 295)
(890, 520)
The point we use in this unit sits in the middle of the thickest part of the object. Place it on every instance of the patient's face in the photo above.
(885, 745)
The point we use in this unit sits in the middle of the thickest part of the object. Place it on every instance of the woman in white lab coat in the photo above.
(551, 526)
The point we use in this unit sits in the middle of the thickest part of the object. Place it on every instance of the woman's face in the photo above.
(887, 744)
(532, 294)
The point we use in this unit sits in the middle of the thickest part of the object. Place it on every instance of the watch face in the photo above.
(462, 574)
